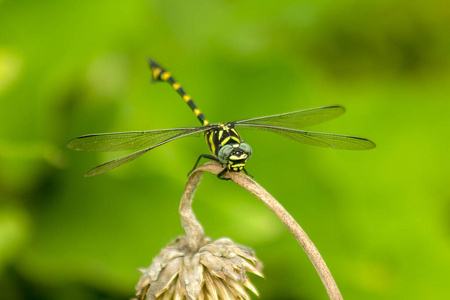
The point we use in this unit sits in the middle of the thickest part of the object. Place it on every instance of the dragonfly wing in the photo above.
(298, 119)
(118, 141)
(112, 164)
(327, 140)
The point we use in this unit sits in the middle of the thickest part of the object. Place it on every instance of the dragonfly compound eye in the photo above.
(224, 153)
(246, 148)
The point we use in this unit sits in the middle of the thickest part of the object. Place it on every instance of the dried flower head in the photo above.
(216, 271)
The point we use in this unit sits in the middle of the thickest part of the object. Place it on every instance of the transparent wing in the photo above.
(112, 164)
(327, 140)
(298, 119)
(118, 141)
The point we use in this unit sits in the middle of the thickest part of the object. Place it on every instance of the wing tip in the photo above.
(340, 107)
(372, 145)
(369, 145)
(72, 145)
(93, 172)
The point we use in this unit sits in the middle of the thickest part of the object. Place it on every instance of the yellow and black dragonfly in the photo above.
(222, 139)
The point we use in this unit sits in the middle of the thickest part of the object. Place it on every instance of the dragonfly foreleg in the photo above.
(204, 156)
(222, 173)
(245, 171)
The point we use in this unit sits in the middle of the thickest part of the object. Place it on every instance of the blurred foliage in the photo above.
(380, 218)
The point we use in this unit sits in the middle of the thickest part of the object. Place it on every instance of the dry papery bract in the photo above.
(216, 271)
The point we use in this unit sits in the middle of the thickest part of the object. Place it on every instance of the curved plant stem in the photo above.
(193, 228)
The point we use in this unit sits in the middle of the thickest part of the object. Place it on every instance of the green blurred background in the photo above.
(380, 218)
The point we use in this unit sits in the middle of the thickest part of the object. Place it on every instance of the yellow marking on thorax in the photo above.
(235, 138)
(176, 86)
(186, 98)
(211, 143)
(205, 123)
(225, 127)
(197, 112)
(234, 131)
(165, 76)
(220, 134)
(225, 140)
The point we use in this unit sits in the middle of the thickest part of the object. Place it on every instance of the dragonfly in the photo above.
(223, 140)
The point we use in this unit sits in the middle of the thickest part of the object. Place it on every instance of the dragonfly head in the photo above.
(235, 156)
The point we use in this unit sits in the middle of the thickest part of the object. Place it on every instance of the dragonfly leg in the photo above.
(222, 173)
(245, 171)
(200, 157)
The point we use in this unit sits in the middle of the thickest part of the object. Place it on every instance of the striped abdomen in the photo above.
(158, 73)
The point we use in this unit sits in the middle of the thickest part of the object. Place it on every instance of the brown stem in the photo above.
(257, 190)
(192, 228)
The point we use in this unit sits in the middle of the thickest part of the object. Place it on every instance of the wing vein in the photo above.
(327, 140)
(119, 141)
(298, 119)
(112, 164)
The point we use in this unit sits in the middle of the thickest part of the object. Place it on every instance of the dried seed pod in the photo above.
(218, 270)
